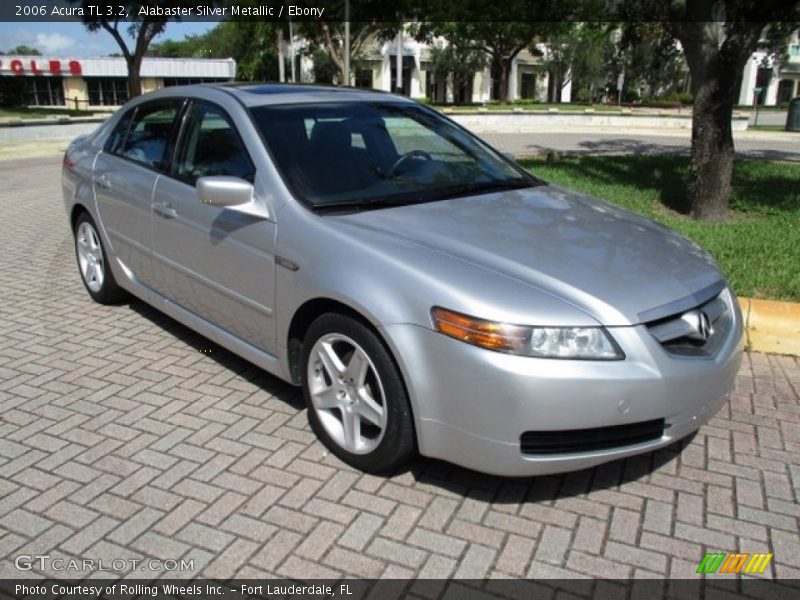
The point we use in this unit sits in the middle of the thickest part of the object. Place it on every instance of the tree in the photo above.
(329, 36)
(579, 52)
(500, 41)
(718, 37)
(716, 52)
(458, 62)
(24, 50)
(499, 37)
(654, 64)
(141, 21)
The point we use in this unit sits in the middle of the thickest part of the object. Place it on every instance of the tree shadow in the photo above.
(251, 373)
(758, 186)
(662, 175)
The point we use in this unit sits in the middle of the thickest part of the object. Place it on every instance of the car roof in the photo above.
(261, 94)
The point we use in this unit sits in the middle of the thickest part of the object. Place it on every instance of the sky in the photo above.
(67, 40)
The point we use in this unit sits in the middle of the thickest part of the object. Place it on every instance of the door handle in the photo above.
(102, 181)
(164, 209)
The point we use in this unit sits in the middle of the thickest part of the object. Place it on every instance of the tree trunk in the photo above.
(712, 149)
(716, 54)
(134, 78)
(504, 67)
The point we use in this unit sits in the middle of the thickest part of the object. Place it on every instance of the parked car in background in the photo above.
(428, 294)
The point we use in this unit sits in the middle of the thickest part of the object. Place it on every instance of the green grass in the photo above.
(758, 249)
(38, 113)
(768, 128)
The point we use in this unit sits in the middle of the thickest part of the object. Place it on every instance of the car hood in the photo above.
(618, 267)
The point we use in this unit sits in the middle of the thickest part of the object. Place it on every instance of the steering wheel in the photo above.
(412, 154)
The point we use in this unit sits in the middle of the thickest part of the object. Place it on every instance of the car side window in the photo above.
(117, 137)
(210, 145)
(148, 134)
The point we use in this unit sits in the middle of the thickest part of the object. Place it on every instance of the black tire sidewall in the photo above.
(398, 443)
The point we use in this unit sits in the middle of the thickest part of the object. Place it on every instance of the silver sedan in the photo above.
(428, 294)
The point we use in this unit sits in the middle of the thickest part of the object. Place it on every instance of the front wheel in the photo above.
(357, 403)
(92, 263)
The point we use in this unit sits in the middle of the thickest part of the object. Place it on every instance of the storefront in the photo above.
(87, 83)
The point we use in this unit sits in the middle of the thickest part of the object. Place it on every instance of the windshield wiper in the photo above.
(365, 204)
(473, 189)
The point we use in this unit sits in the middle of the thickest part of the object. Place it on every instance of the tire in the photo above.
(93, 264)
(357, 404)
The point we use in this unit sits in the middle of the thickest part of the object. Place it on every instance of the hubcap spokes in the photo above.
(90, 257)
(347, 393)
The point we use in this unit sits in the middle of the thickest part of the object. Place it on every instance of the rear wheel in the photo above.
(92, 264)
(357, 403)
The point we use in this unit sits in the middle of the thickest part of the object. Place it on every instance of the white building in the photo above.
(777, 82)
(527, 80)
(96, 82)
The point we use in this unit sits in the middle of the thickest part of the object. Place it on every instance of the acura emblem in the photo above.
(700, 324)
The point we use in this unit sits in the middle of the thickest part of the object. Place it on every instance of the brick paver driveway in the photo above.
(124, 435)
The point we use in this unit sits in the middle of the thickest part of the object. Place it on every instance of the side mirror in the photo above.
(224, 191)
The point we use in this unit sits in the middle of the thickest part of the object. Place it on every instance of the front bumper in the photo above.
(472, 405)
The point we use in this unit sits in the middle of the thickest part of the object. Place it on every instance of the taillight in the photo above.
(68, 164)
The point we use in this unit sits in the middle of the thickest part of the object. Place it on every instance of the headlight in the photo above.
(588, 343)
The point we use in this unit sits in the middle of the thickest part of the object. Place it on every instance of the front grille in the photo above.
(674, 333)
(590, 440)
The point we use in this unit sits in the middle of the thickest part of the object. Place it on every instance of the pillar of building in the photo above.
(749, 80)
(513, 81)
(566, 88)
(771, 98)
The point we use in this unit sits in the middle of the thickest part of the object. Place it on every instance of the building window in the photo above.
(107, 91)
(170, 81)
(364, 78)
(44, 91)
(794, 50)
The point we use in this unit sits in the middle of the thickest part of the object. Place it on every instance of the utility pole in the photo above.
(291, 51)
(281, 66)
(346, 42)
(398, 82)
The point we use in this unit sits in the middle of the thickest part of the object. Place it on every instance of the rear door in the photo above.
(216, 262)
(125, 176)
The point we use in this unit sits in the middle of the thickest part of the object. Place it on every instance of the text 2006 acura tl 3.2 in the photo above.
(428, 294)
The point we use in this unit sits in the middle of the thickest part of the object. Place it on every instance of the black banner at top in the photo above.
(391, 10)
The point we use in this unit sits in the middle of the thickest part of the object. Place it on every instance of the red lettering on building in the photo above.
(54, 66)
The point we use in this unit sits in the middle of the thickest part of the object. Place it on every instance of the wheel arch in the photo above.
(305, 314)
(77, 210)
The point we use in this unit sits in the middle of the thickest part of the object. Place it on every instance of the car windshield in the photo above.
(372, 154)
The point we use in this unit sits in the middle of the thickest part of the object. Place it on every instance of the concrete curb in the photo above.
(771, 326)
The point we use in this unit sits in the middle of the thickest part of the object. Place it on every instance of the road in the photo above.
(772, 145)
(125, 435)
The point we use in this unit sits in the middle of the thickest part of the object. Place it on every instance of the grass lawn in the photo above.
(38, 113)
(540, 107)
(758, 249)
(768, 128)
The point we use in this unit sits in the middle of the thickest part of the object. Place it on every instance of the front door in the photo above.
(214, 261)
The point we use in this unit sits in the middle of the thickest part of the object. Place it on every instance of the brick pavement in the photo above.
(122, 437)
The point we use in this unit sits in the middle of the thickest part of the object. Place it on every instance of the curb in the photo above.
(771, 326)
